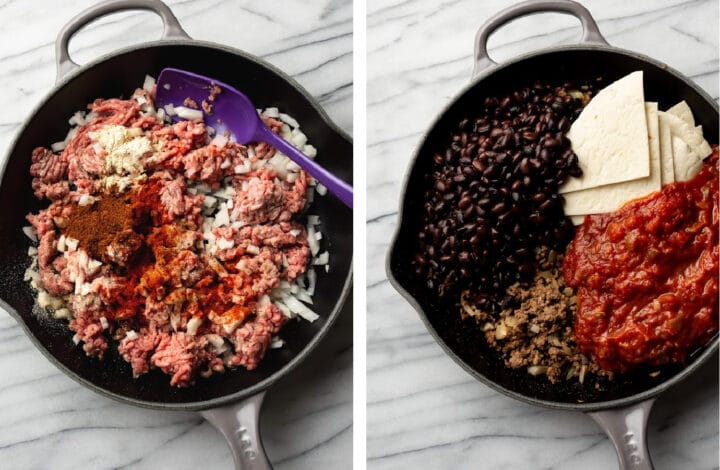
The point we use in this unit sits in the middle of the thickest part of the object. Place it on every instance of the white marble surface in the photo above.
(424, 412)
(47, 421)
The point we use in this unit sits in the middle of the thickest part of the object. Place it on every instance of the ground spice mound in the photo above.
(107, 221)
(534, 329)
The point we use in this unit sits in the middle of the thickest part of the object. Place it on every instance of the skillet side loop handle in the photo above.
(65, 65)
(591, 33)
(627, 428)
(240, 424)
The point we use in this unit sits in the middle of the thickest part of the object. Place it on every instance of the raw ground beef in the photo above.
(179, 246)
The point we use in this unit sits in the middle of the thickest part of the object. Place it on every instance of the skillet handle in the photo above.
(239, 423)
(591, 33)
(627, 428)
(65, 65)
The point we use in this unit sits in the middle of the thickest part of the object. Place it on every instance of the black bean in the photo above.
(539, 197)
(525, 168)
(498, 208)
(500, 169)
(479, 165)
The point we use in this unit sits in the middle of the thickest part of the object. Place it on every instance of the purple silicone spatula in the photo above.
(234, 112)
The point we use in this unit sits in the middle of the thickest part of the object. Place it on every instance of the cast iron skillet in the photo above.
(230, 401)
(621, 407)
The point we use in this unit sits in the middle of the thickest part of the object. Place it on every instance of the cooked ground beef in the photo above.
(190, 103)
(534, 329)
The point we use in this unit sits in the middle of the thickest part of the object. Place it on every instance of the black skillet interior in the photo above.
(120, 76)
(464, 339)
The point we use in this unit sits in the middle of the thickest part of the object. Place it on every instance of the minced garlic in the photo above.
(124, 147)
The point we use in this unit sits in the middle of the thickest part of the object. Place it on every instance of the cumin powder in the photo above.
(97, 225)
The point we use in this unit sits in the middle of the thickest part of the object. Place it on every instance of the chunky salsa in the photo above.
(647, 275)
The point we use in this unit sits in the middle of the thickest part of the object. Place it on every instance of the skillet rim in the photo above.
(709, 349)
(309, 347)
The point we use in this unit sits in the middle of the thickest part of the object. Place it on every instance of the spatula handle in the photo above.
(335, 185)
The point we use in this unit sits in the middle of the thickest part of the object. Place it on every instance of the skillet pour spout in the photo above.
(622, 407)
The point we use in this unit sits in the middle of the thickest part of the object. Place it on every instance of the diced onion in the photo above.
(301, 294)
(188, 113)
(312, 241)
(58, 146)
(537, 370)
(29, 231)
(149, 83)
(71, 243)
(276, 343)
(85, 199)
(61, 244)
(310, 151)
(192, 325)
(323, 258)
(224, 244)
(289, 120)
(301, 309)
(312, 280)
(220, 141)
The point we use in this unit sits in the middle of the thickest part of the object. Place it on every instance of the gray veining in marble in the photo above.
(424, 411)
(47, 421)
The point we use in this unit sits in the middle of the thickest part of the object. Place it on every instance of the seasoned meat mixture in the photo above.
(191, 251)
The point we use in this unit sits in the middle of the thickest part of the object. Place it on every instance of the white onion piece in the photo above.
(192, 325)
(188, 113)
(289, 120)
(323, 258)
(148, 84)
(312, 281)
(312, 241)
(220, 141)
(58, 146)
(29, 231)
(301, 309)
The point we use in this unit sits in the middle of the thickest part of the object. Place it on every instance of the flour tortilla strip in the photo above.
(667, 175)
(610, 136)
(689, 134)
(577, 219)
(683, 111)
(687, 164)
(610, 197)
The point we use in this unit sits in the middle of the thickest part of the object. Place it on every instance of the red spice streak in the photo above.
(148, 272)
(647, 275)
(126, 301)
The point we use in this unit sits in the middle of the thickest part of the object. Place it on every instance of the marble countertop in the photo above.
(424, 411)
(49, 421)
